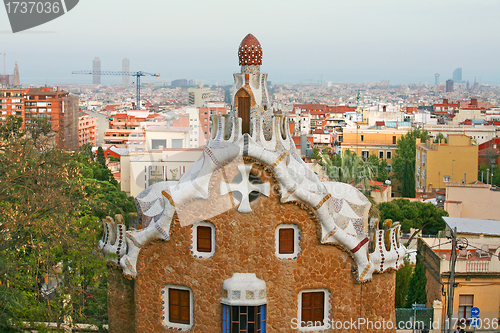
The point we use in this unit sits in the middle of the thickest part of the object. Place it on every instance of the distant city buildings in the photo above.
(449, 85)
(96, 67)
(125, 68)
(457, 75)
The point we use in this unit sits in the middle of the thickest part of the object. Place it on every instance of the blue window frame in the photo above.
(248, 319)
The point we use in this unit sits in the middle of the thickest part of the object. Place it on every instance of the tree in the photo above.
(403, 276)
(381, 173)
(416, 292)
(349, 169)
(440, 136)
(50, 205)
(494, 174)
(423, 216)
(404, 161)
(101, 159)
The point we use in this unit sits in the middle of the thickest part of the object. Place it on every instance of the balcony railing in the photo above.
(477, 266)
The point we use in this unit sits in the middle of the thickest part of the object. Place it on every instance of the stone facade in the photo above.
(245, 187)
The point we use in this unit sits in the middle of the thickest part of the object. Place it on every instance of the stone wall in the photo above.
(121, 306)
(245, 243)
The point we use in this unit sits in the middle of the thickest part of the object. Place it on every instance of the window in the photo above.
(393, 139)
(313, 310)
(158, 144)
(176, 143)
(446, 179)
(465, 304)
(236, 319)
(389, 155)
(287, 241)
(177, 307)
(203, 240)
(381, 154)
(364, 155)
(362, 138)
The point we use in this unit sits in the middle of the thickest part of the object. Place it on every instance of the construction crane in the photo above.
(136, 74)
(4, 59)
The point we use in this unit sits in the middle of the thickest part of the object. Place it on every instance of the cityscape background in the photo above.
(343, 41)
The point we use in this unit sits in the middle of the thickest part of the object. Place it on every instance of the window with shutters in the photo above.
(313, 310)
(203, 239)
(177, 307)
(287, 241)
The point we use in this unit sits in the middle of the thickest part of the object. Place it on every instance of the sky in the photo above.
(343, 41)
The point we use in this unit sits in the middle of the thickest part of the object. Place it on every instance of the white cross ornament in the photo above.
(244, 187)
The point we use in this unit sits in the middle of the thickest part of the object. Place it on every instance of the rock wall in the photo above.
(121, 304)
(245, 243)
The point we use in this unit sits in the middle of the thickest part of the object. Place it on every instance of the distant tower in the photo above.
(437, 79)
(457, 75)
(96, 67)
(125, 68)
(449, 85)
(17, 81)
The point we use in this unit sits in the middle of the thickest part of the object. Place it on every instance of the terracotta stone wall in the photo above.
(245, 243)
(121, 306)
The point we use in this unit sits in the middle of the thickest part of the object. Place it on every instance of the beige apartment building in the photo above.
(476, 201)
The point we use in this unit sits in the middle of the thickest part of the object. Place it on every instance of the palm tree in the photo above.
(349, 169)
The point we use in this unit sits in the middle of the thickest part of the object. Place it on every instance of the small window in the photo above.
(203, 240)
(364, 155)
(446, 179)
(362, 138)
(389, 155)
(313, 310)
(287, 241)
(465, 304)
(381, 154)
(393, 139)
(177, 307)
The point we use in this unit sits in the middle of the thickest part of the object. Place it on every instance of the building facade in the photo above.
(249, 239)
(438, 164)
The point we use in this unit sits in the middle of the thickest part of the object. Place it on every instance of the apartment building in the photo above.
(438, 164)
(87, 129)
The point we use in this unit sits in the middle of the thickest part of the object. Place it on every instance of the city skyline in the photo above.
(303, 42)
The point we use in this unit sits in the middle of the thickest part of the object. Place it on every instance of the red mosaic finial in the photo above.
(250, 51)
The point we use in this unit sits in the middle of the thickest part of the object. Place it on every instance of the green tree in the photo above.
(349, 169)
(403, 276)
(381, 173)
(404, 161)
(416, 292)
(419, 215)
(440, 136)
(101, 159)
(50, 204)
(86, 149)
(494, 174)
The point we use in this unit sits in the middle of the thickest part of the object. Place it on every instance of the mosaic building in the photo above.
(249, 239)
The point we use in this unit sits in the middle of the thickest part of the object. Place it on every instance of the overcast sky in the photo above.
(348, 41)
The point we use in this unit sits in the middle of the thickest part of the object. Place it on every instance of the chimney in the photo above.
(384, 108)
(445, 100)
(473, 102)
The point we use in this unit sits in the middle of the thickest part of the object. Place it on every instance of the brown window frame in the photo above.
(177, 306)
(283, 247)
(313, 307)
(204, 248)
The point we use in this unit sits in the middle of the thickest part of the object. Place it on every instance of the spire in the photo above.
(250, 51)
(17, 80)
